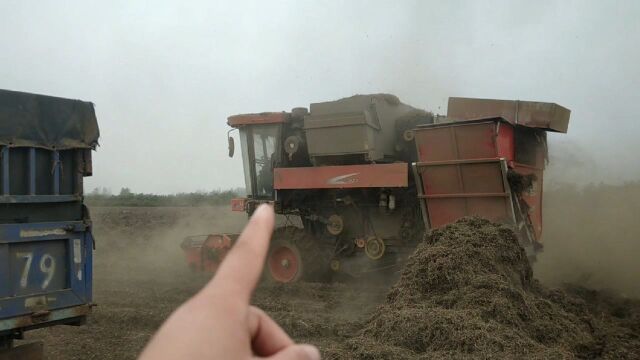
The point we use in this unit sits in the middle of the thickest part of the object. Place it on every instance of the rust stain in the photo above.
(26, 233)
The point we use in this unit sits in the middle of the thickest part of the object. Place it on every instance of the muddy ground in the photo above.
(140, 277)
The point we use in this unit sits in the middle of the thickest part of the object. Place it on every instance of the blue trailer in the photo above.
(46, 243)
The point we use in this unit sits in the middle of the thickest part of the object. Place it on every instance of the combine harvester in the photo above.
(369, 176)
(45, 230)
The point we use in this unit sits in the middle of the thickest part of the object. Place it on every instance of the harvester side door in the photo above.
(260, 152)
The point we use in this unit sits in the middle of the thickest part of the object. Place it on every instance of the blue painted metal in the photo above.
(45, 267)
(15, 233)
(22, 248)
(14, 199)
(4, 276)
(29, 321)
(5, 171)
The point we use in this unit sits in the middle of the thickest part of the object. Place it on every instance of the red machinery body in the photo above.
(464, 168)
(342, 177)
(205, 252)
(368, 176)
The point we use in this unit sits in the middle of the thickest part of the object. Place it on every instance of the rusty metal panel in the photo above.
(505, 141)
(37, 319)
(533, 198)
(345, 176)
(476, 141)
(460, 141)
(445, 211)
(548, 116)
(459, 188)
(435, 144)
(441, 180)
(481, 178)
(497, 209)
(463, 178)
(257, 119)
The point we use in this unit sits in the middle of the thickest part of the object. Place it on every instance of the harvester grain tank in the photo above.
(368, 176)
(45, 231)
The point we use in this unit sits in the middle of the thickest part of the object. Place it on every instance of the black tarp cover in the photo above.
(46, 121)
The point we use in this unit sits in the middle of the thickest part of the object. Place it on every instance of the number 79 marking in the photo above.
(47, 267)
(27, 266)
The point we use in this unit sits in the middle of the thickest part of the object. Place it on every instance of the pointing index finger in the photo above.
(240, 270)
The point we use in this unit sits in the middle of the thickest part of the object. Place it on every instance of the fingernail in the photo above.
(312, 352)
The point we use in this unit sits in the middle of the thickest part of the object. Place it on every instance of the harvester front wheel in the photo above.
(284, 263)
(295, 255)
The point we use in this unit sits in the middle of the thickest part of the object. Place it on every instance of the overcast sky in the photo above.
(164, 75)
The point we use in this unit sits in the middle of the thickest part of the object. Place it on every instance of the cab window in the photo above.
(264, 149)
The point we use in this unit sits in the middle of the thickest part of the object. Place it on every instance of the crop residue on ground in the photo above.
(469, 292)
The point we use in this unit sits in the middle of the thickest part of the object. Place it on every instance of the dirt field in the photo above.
(140, 277)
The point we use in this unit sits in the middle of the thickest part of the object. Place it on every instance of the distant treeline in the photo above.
(128, 198)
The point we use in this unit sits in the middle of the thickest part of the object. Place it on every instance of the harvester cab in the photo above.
(369, 176)
(259, 141)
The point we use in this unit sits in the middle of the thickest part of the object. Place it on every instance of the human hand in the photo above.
(218, 322)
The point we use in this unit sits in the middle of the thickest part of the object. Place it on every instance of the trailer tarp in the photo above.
(46, 121)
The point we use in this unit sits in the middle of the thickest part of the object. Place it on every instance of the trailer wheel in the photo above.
(284, 262)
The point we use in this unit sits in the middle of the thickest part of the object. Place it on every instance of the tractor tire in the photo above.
(294, 256)
(284, 263)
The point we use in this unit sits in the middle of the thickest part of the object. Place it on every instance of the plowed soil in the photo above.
(468, 292)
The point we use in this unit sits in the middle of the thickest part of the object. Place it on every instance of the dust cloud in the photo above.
(590, 229)
(592, 237)
(144, 243)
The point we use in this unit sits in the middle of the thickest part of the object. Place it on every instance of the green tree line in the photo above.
(102, 197)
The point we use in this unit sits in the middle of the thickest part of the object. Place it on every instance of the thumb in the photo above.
(297, 352)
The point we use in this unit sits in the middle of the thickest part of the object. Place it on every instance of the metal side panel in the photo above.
(548, 116)
(454, 189)
(419, 189)
(45, 268)
(343, 176)
(36, 176)
(533, 200)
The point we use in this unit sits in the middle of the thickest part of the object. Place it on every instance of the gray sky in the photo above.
(164, 75)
